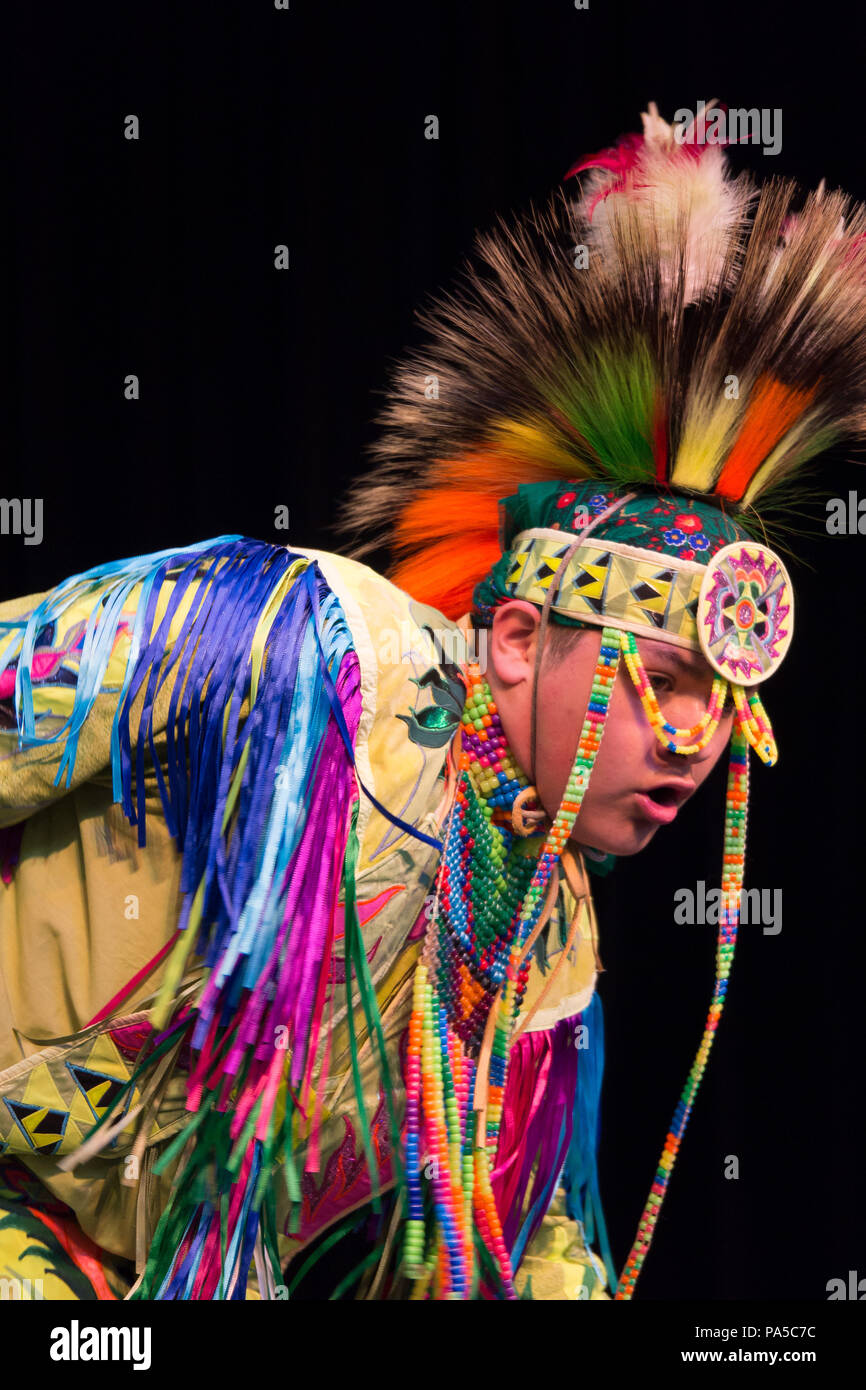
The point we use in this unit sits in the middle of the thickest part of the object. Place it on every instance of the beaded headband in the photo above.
(738, 610)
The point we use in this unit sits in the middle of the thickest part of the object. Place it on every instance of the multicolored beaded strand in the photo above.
(675, 740)
(751, 715)
(756, 725)
(451, 1003)
(477, 940)
(736, 813)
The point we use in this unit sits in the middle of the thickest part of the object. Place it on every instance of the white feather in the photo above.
(668, 183)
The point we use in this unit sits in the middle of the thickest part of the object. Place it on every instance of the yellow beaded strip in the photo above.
(751, 715)
(736, 814)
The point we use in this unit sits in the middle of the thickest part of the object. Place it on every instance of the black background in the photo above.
(259, 387)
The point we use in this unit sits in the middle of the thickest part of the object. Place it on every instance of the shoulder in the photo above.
(373, 601)
(411, 658)
(411, 655)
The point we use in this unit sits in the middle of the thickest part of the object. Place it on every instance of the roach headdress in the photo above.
(669, 327)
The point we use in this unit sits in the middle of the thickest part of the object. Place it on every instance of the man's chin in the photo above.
(627, 839)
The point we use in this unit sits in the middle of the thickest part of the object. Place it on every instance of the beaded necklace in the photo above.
(471, 980)
(470, 984)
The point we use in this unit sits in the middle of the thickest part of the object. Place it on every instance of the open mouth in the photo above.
(660, 805)
(664, 796)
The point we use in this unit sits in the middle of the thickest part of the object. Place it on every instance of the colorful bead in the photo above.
(489, 896)
(732, 883)
(751, 716)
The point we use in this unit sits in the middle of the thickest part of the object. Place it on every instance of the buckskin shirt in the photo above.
(84, 909)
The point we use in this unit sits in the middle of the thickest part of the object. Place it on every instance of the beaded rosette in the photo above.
(745, 613)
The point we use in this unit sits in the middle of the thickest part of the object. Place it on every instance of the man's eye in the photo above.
(663, 682)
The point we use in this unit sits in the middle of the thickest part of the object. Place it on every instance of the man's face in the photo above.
(636, 784)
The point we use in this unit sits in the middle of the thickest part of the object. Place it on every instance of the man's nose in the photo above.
(684, 713)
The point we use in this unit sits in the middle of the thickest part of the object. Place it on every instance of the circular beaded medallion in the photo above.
(745, 612)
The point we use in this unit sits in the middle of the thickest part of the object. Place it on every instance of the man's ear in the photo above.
(513, 638)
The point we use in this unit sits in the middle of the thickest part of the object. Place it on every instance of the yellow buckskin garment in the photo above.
(85, 909)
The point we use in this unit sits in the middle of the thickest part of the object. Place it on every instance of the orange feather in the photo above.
(435, 577)
(450, 540)
(772, 410)
(448, 535)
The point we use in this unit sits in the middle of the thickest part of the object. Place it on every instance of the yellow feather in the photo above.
(706, 439)
(532, 445)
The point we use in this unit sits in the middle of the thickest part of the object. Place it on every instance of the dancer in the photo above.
(335, 990)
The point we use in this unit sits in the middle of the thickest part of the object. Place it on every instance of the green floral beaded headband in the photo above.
(723, 595)
(728, 597)
(737, 611)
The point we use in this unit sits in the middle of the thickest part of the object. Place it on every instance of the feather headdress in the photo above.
(669, 326)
